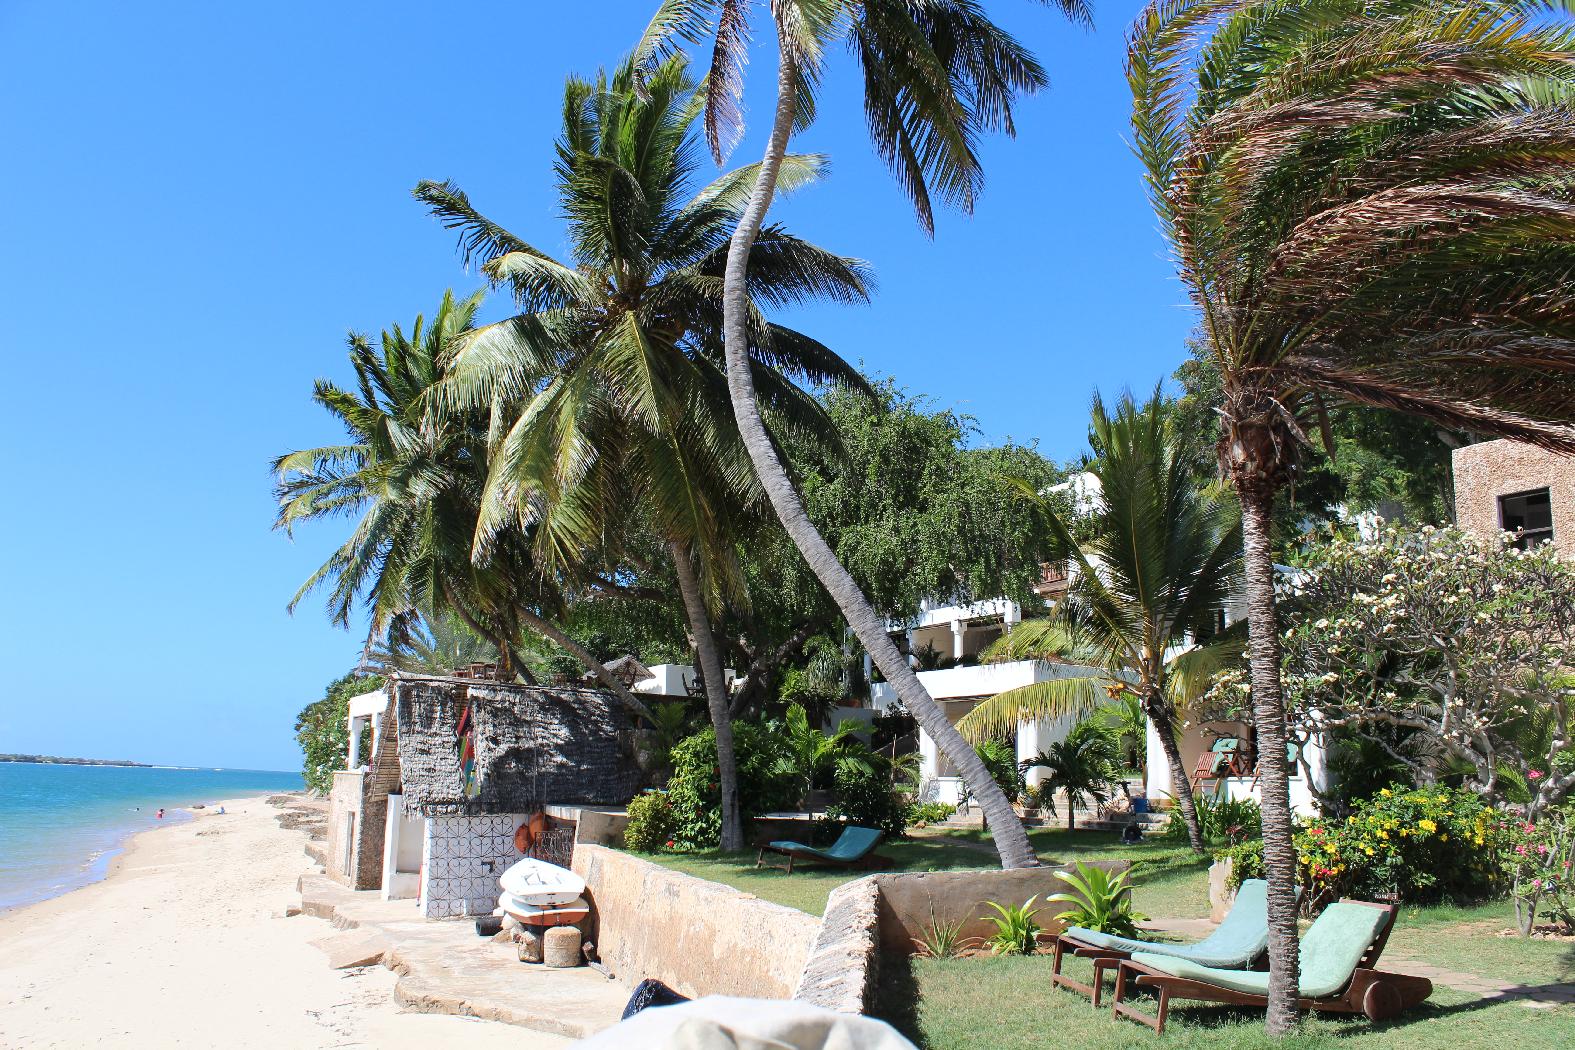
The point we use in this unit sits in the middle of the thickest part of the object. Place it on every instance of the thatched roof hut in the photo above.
(473, 748)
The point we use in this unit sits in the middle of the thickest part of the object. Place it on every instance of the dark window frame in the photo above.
(1527, 538)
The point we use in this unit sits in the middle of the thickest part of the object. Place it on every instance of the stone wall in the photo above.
(461, 861)
(1490, 469)
(344, 818)
(883, 915)
(698, 937)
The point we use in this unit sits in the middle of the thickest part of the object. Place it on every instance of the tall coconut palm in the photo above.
(1162, 559)
(417, 481)
(1369, 203)
(609, 387)
(936, 74)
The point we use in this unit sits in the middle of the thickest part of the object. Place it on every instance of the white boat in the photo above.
(536, 882)
(565, 914)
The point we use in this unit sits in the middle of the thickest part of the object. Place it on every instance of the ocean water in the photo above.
(61, 825)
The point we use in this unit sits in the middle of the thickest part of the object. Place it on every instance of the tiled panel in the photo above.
(464, 857)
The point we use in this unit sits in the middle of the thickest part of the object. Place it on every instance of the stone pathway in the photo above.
(444, 967)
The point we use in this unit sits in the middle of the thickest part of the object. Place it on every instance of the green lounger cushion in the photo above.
(1329, 955)
(1240, 939)
(851, 845)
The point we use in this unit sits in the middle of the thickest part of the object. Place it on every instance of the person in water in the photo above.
(161, 813)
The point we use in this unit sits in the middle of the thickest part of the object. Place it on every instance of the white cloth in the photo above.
(720, 1022)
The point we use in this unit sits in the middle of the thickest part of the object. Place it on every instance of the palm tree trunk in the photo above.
(551, 631)
(1268, 707)
(715, 695)
(1180, 784)
(1010, 837)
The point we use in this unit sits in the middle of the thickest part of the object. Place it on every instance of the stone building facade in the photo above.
(1506, 485)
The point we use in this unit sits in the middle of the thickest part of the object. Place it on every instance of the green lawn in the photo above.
(957, 1004)
(810, 884)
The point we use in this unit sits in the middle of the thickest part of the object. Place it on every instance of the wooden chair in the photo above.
(1238, 944)
(1338, 975)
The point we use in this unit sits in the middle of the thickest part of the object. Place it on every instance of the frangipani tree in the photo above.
(937, 74)
(1161, 560)
(1368, 203)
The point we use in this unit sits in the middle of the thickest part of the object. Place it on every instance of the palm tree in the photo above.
(1163, 558)
(1369, 204)
(417, 479)
(1082, 767)
(609, 387)
(434, 644)
(817, 755)
(937, 74)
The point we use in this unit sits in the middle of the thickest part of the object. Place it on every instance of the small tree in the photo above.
(323, 731)
(1445, 651)
(1081, 767)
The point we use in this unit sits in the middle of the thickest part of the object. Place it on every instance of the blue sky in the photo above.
(205, 197)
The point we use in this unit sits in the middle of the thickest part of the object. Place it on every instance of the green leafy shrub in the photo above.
(1016, 931)
(766, 780)
(1420, 845)
(651, 823)
(929, 812)
(866, 797)
(322, 729)
(1223, 822)
(1099, 901)
(1000, 760)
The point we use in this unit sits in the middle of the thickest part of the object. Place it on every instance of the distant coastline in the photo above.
(56, 760)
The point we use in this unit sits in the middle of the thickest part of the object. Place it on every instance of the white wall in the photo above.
(1302, 800)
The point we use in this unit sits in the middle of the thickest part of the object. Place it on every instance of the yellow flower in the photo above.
(1383, 834)
(1443, 838)
(1329, 847)
(1305, 861)
(1368, 850)
(1426, 825)
(1386, 792)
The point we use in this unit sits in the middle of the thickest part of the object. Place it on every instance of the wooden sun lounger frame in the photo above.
(864, 860)
(1103, 959)
(1372, 992)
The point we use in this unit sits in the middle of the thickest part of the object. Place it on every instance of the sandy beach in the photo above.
(186, 944)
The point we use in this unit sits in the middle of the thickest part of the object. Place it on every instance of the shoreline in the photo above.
(186, 941)
(102, 865)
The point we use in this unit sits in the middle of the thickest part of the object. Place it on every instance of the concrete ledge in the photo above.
(444, 967)
(844, 964)
(698, 937)
(886, 914)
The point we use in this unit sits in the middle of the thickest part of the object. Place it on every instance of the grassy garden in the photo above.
(955, 1004)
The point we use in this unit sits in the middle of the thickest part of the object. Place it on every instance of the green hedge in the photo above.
(766, 781)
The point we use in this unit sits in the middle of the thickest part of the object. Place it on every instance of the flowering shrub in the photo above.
(766, 780)
(1456, 645)
(651, 823)
(1539, 858)
(1421, 845)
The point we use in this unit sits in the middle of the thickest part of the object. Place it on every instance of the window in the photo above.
(1529, 515)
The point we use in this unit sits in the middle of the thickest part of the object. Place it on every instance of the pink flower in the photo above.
(1535, 774)
(1521, 849)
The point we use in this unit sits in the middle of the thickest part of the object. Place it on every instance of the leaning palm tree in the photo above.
(416, 479)
(608, 390)
(1369, 203)
(936, 74)
(1162, 558)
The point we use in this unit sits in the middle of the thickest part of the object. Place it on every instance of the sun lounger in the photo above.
(1337, 975)
(1238, 944)
(852, 847)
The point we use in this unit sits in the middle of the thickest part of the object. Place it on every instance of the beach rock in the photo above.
(353, 948)
(527, 942)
